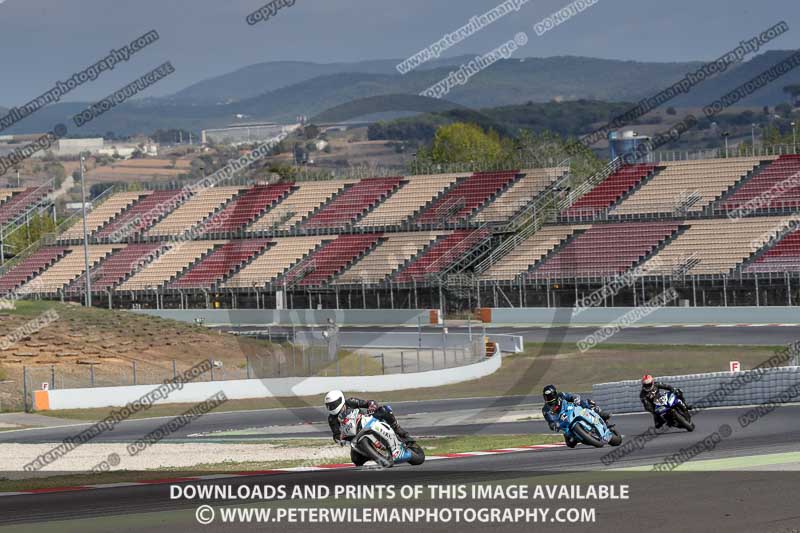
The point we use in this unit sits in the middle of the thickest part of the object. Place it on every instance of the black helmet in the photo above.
(550, 395)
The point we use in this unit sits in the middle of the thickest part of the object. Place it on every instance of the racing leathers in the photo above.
(551, 414)
(383, 412)
(648, 398)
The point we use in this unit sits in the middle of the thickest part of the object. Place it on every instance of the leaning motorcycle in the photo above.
(372, 439)
(674, 411)
(587, 427)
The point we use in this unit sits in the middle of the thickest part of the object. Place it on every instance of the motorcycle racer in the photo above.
(551, 409)
(647, 395)
(338, 406)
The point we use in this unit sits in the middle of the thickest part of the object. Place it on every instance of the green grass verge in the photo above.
(432, 446)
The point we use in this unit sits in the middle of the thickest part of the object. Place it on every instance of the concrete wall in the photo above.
(297, 317)
(378, 339)
(266, 388)
(718, 389)
(664, 315)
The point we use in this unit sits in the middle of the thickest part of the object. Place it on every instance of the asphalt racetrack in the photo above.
(774, 436)
(746, 481)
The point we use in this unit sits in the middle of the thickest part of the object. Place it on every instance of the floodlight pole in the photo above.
(85, 239)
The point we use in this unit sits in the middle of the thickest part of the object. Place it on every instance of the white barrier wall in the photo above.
(267, 388)
(298, 317)
(379, 339)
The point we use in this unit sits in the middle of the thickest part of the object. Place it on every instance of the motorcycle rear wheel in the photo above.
(586, 437)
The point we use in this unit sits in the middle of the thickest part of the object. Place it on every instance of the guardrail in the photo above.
(718, 389)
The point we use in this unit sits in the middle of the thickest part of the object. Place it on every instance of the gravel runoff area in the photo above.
(159, 456)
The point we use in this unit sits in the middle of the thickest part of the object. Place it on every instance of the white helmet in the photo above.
(334, 401)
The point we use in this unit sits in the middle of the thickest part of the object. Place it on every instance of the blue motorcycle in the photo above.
(670, 407)
(586, 426)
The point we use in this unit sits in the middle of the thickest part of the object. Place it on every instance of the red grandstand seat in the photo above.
(220, 263)
(440, 255)
(608, 191)
(467, 195)
(605, 250)
(353, 202)
(776, 186)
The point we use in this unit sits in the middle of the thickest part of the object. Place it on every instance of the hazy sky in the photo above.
(43, 41)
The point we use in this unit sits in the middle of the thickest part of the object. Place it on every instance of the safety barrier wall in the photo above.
(298, 317)
(718, 389)
(366, 339)
(264, 388)
(663, 315)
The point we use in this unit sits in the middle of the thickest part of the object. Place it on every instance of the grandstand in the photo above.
(713, 229)
(102, 215)
(16, 202)
(194, 211)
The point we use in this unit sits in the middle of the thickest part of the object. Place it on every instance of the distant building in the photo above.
(246, 133)
(64, 147)
(126, 150)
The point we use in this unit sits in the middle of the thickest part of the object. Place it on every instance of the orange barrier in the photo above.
(41, 400)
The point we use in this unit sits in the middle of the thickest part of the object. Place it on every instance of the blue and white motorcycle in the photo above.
(586, 426)
(673, 411)
(372, 439)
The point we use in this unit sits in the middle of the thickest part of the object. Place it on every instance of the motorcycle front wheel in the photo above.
(357, 458)
(681, 421)
(586, 437)
(418, 454)
(383, 457)
(616, 440)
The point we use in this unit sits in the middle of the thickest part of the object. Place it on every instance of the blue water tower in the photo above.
(628, 142)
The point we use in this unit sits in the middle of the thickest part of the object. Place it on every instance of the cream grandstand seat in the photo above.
(529, 252)
(193, 211)
(388, 256)
(308, 197)
(71, 267)
(99, 216)
(275, 261)
(410, 198)
(520, 194)
(5, 194)
(715, 246)
(168, 265)
(687, 186)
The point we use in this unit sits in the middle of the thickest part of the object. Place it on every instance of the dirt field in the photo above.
(109, 343)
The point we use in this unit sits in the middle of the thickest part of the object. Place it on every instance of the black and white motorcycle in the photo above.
(372, 439)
